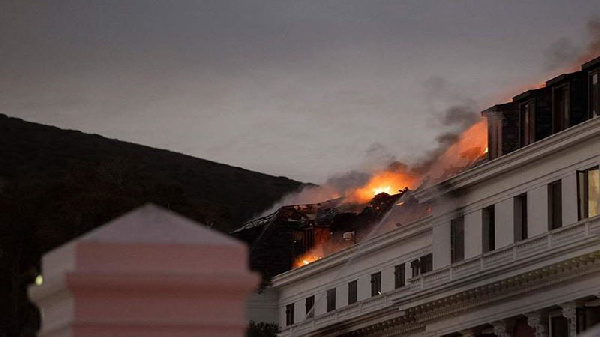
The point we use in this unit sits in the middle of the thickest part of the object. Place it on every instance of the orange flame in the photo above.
(389, 182)
(471, 146)
(306, 259)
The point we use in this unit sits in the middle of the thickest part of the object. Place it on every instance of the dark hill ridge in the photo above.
(58, 184)
(30, 151)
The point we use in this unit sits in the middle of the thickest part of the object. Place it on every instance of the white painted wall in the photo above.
(473, 234)
(441, 246)
(569, 199)
(505, 229)
(387, 279)
(537, 210)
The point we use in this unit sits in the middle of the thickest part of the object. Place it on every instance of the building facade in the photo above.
(511, 246)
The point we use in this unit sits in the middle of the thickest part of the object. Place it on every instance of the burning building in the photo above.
(502, 242)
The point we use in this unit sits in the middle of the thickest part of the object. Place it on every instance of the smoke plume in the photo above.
(564, 55)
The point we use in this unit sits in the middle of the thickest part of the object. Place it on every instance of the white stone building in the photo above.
(511, 247)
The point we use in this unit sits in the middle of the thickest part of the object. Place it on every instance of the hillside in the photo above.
(57, 184)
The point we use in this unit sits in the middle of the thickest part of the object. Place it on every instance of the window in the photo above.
(555, 205)
(588, 192)
(489, 228)
(422, 265)
(426, 263)
(289, 314)
(310, 304)
(399, 276)
(495, 136)
(559, 326)
(376, 284)
(587, 317)
(520, 221)
(415, 265)
(560, 108)
(457, 239)
(527, 123)
(594, 94)
(331, 300)
(352, 292)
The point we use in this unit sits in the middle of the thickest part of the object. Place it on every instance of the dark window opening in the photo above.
(457, 239)
(331, 300)
(399, 276)
(520, 221)
(588, 193)
(587, 317)
(415, 265)
(376, 284)
(352, 292)
(560, 108)
(595, 94)
(495, 136)
(489, 228)
(310, 304)
(559, 326)
(527, 123)
(289, 314)
(555, 204)
(426, 263)
(422, 265)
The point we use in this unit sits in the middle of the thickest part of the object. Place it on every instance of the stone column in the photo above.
(538, 320)
(148, 273)
(569, 311)
(503, 328)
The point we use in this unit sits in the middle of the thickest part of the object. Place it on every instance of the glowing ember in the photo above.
(385, 189)
(306, 260)
(384, 182)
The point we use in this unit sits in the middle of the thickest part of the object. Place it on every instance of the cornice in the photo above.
(516, 159)
(415, 318)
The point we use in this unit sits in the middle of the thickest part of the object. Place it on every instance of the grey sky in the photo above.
(304, 89)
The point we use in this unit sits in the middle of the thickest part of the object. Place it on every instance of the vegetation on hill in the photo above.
(56, 185)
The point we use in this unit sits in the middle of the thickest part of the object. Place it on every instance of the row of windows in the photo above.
(563, 106)
(419, 266)
(588, 197)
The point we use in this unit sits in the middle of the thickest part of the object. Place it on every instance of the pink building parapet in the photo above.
(148, 273)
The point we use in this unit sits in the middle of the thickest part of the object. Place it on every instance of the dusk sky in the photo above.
(303, 89)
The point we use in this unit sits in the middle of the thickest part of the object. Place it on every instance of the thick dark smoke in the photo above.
(565, 54)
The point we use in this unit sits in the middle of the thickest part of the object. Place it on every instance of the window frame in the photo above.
(376, 284)
(583, 201)
(457, 239)
(488, 223)
(527, 122)
(331, 299)
(565, 118)
(521, 217)
(426, 263)
(352, 295)
(555, 210)
(594, 94)
(309, 305)
(289, 314)
(399, 276)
